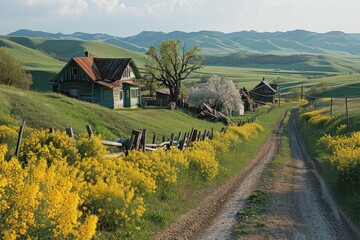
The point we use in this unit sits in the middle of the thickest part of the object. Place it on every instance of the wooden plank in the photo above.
(111, 143)
(130, 147)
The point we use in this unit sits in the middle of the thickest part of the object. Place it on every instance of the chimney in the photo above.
(86, 53)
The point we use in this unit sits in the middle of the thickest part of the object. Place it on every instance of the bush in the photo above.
(12, 71)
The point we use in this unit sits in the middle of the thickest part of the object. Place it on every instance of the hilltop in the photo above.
(214, 42)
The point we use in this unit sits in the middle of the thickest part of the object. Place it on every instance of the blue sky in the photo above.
(130, 17)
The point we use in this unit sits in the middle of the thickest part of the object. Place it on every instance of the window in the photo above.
(127, 73)
(74, 70)
(121, 95)
(106, 94)
(134, 93)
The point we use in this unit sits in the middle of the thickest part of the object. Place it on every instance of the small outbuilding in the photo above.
(247, 100)
(162, 96)
(264, 92)
(109, 82)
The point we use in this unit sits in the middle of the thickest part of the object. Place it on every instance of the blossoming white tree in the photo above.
(219, 93)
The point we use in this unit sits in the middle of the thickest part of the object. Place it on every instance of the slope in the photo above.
(50, 110)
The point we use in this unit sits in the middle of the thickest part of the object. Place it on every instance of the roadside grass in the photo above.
(349, 201)
(249, 219)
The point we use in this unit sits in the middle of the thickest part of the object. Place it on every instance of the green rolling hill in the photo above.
(44, 58)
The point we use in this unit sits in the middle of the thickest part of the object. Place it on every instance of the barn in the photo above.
(109, 82)
(264, 92)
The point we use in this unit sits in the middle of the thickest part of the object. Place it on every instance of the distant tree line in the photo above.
(241, 59)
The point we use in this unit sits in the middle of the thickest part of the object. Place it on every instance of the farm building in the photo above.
(247, 100)
(109, 82)
(162, 96)
(264, 92)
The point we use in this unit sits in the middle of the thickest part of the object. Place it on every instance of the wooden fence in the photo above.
(137, 140)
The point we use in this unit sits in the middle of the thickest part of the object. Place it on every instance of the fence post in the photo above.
(171, 140)
(178, 139)
(70, 132)
(204, 135)
(154, 139)
(143, 139)
(193, 136)
(18, 144)
(211, 134)
(182, 143)
(89, 130)
(137, 139)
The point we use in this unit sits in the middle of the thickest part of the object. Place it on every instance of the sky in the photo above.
(125, 18)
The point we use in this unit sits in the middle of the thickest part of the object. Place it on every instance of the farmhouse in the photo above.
(110, 82)
(264, 92)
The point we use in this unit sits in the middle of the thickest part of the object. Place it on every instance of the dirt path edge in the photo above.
(193, 223)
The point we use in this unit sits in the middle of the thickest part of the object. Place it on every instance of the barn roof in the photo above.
(109, 69)
(165, 91)
(262, 83)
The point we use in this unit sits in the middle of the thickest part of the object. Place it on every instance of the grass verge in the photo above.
(348, 201)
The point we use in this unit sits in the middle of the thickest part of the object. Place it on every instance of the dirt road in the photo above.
(301, 206)
(300, 203)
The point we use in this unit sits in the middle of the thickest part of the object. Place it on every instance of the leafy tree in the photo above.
(218, 93)
(12, 71)
(171, 63)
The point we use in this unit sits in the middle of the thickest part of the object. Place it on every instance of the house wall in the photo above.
(76, 89)
(117, 95)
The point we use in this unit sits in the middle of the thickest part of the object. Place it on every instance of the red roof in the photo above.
(103, 68)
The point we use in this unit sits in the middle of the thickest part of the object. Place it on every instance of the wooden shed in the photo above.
(162, 96)
(264, 92)
(110, 82)
(247, 100)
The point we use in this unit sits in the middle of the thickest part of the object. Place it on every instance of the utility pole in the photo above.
(347, 112)
(331, 106)
(279, 96)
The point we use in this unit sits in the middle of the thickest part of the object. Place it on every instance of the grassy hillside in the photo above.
(44, 58)
(66, 49)
(45, 110)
